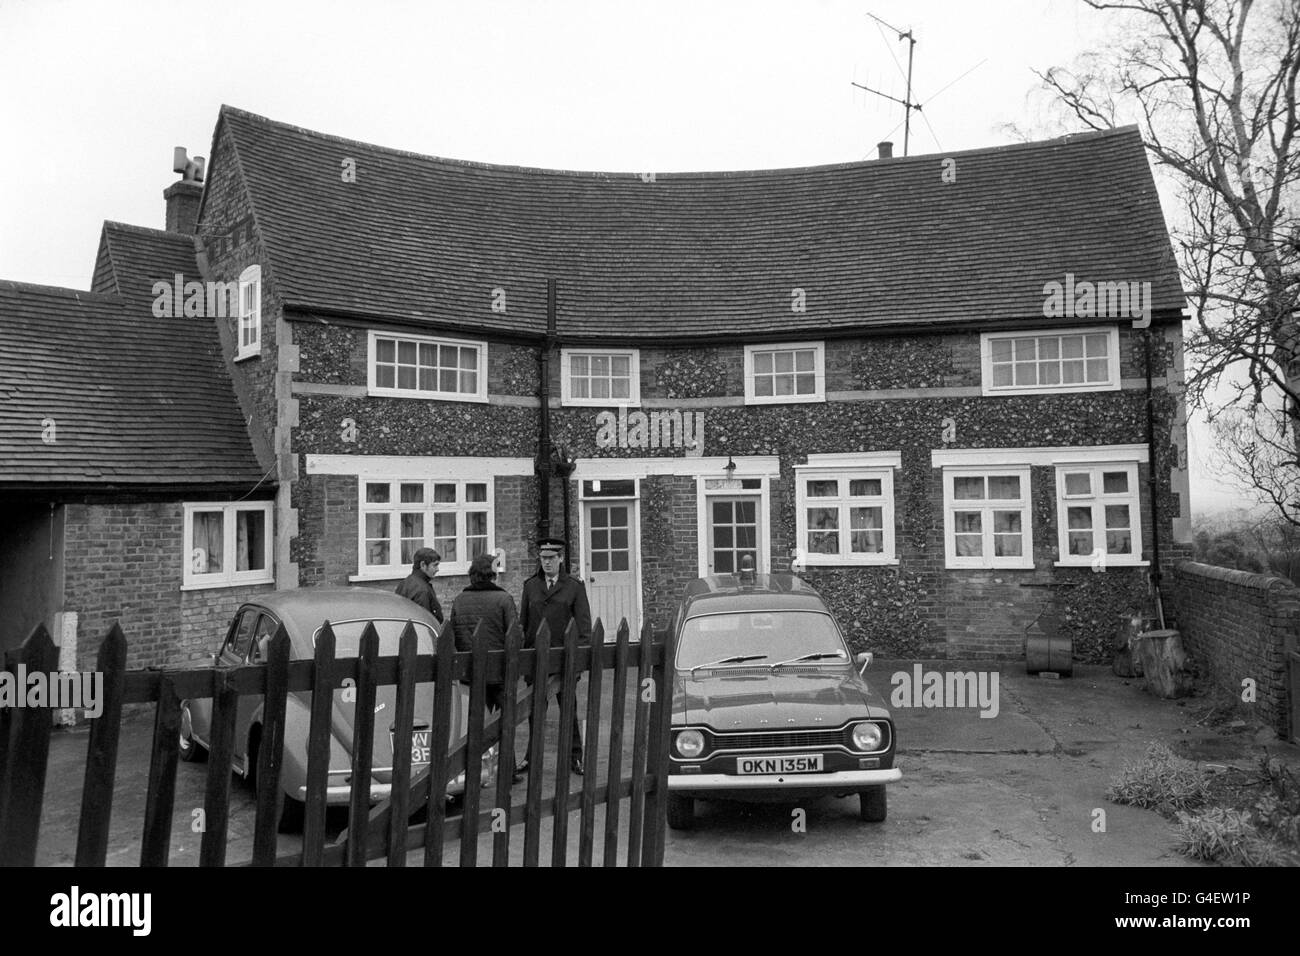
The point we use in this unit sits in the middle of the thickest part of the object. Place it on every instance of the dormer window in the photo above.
(250, 313)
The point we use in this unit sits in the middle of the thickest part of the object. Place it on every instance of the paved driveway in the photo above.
(1020, 788)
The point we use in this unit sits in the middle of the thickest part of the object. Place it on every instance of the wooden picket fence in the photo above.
(384, 830)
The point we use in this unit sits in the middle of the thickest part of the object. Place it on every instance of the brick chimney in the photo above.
(886, 149)
(183, 197)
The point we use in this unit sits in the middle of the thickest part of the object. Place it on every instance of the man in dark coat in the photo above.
(551, 595)
(418, 585)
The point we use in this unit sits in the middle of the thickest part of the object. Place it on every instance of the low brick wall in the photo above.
(1238, 625)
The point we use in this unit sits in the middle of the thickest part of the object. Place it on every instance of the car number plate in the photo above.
(799, 763)
(419, 745)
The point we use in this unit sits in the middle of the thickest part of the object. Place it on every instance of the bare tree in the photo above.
(1212, 86)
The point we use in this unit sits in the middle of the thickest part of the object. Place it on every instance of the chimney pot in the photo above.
(886, 149)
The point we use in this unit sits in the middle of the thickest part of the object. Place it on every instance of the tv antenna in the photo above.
(906, 102)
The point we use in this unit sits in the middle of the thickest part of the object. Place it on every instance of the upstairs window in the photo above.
(600, 377)
(1076, 360)
(418, 366)
(398, 517)
(785, 373)
(250, 313)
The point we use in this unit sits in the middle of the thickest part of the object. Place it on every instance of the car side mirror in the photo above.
(863, 660)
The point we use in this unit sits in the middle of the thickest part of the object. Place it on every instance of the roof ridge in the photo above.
(148, 231)
(1062, 140)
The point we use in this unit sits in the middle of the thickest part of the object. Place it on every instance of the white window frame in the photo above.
(843, 502)
(986, 360)
(1097, 499)
(428, 507)
(373, 388)
(1023, 504)
(193, 581)
(567, 397)
(250, 317)
(819, 373)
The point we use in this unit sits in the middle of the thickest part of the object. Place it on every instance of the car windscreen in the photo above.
(774, 635)
(347, 636)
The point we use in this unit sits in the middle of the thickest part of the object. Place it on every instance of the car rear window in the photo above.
(777, 635)
(347, 637)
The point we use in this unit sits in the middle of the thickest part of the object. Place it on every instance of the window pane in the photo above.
(621, 388)
(600, 366)
(469, 383)
(207, 547)
(967, 522)
(448, 380)
(721, 536)
(1049, 374)
(600, 560)
(745, 511)
(476, 491)
(1078, 517)
(1003, 487)
(1001, 375)
(412, 524)
(762, 362)
(1098, 370)
(1006, 522)
(1080, 542)
(1072, 373)
(865, 487)
(823, 519)
(1097, 346)
(784, 384)
(805, 361)
(412, 491)
(444, 536)
(867, 526)
(428, 379)
(469, 360)
(1001, 350)
(620, 561)
(619, 365)
(476, 524)
(384, 350)
(1117, 517)
(428, 355)
(406, 353)
(721, 512)
(1049, 347)
(806, 383)
(578, 365)
(600, 388)
(1008, 546)
(763, 385)
(1119, 542)
(250, 540)
(1114, 482)
(376, 526)
(967, 487)
(377, 492)
(1026, 350)
(385, 376)
(784, 361)
(823, 542)
(444, 493)
(1026, 373)
(406, 377)
(1078, 483)
(969, 545)
(823, 488)
(1072, 346)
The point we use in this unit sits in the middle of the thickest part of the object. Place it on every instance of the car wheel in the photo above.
(874, 804)
(190, 749)
(681, 812)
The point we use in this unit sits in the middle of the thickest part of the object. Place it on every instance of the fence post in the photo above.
(24, 780)
(403, 740)
(591, 749)
(660, 727)
(363, 747)
(618, 706)
(101, 754)
(270, 752)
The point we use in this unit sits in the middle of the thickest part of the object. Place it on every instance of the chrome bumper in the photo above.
(841, 779)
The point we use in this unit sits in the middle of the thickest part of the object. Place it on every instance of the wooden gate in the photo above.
(384, 830)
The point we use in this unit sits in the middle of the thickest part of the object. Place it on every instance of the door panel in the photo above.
(611, 563)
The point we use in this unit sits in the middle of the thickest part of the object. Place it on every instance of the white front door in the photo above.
(733, 532)
(610, 563)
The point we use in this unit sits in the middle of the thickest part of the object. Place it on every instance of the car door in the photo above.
(249, 708)
(233, 651)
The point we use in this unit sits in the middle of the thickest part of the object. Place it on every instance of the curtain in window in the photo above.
(208, 547)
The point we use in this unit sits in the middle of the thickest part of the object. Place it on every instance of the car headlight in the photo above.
(867, 736)
(690, 743)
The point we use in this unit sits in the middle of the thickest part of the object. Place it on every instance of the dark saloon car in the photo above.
(303, 613)
(768, 704)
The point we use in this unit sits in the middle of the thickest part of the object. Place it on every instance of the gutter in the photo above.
(1151, 485)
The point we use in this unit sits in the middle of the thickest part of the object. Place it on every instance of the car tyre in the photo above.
(874, 804)
(681, 812)
(190, 749)
(289, 812)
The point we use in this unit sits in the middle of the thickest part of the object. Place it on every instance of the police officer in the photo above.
(551, 595)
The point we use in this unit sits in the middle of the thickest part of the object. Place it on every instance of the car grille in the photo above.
(789, 738)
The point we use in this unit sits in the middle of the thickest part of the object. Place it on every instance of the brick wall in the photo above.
(1238, 625)
(124, 564)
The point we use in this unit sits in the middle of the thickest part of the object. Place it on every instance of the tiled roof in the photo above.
(134, 402)
(138, 257)
(873, 243)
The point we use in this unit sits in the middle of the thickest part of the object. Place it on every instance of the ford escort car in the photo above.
(768, 703)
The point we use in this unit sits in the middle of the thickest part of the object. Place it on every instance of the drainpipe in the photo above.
(542, 466)
(1151, 486)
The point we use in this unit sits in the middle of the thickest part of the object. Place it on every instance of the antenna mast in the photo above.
(907, 103)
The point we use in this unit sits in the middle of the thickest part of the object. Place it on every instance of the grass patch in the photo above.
(1161, 781)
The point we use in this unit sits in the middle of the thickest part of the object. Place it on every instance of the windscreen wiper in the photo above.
(808, 657)
(729, 660)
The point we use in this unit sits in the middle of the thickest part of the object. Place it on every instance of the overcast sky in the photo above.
(97, 93)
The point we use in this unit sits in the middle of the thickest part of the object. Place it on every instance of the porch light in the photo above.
(731, 467)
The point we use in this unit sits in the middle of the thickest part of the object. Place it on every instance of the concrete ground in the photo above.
(1022, 788)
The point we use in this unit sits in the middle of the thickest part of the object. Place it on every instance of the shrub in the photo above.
(1161, 781)
(1224, 835)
